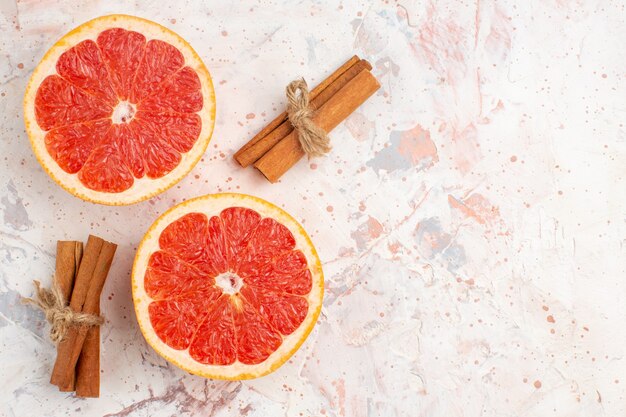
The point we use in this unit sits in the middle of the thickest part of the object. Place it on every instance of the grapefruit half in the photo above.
(119, 110)
(226, 286)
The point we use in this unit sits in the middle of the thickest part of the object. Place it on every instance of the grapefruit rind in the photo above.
(143, 188)
(212, 205)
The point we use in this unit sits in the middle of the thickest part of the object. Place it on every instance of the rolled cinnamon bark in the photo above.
(69, 255)
(262, 141)
(88, 365)
(288, 151)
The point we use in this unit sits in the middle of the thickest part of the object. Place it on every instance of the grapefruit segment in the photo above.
(159, 157)
(216, 247)
(105, 170)
(215, 339)
(71, 145)
(239, 225)
(145, 81)
(175, 321)
(185, 238)
(180, 93)
(59, 103)
(159, 62)
(284, 312)
(256, 338)
(196, 240)
(168, 276)
(122, 51)
(270, 239)
(246, 271)
(127, 142)
(179, 130)
(287, 273)
(82, 66)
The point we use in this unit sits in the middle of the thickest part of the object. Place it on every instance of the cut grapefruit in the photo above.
(119, 109)
(227, 286)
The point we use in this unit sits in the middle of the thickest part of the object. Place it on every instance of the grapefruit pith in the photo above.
(119, 109)
(226, 286)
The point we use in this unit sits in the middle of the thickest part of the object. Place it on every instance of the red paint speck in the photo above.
(329, 209)
(224, 33)
(545, 308)
(550, 319)
(250, 116)
(313, 166)
(537, 384)
(513, 158)
(20, 65)
(603, 75)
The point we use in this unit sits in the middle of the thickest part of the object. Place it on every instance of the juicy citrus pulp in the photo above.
(119, 109)
(226, 286)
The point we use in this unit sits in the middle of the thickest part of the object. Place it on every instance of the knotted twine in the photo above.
(313, 139)
(60, 316)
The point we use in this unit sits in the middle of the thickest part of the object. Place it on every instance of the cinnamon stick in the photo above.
(69, 254)
(288, 151)
(88, 366)
(91, 276)
(247, 156)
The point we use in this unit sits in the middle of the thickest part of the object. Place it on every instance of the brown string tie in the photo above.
(60, 316)
(313, 139)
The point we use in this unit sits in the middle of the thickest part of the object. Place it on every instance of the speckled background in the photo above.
(470, 218)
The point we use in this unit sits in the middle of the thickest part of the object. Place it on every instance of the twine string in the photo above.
(60, 316)
(313, 139)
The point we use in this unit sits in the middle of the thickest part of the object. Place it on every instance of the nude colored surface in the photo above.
(470, 217)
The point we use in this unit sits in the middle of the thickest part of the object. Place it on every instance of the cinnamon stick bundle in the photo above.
(276, 147)
(288, 151)
(92, 273)
(79, 277)
(282, 118)
(275, 131)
